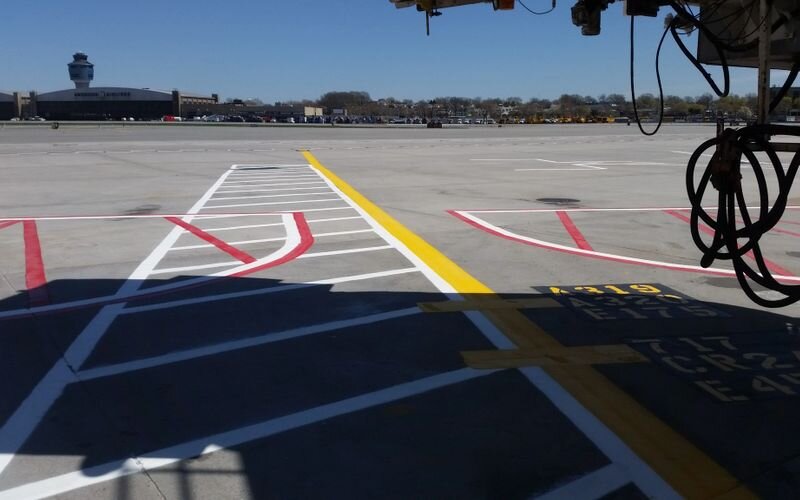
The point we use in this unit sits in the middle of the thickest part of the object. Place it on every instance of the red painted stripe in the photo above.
(10, 223)
(784, 231)
(573, 231)
(618, 259)
(230, 250)
(35, 279)
(772, 266)
(306, 241)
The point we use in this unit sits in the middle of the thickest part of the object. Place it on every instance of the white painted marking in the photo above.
(266, 203)
(185, 269)
(619, 453)
(259, 196)
(307, 210)
(631, 466)
(345, 252)
(244, 343)
(555, 170)
(262, 291)
(267, 240)
(303, 183)
(209, 444)
(260, 166)
(689, 153)
(262, 179)
(594, 485)
(151, 216)
(254, 226)
(608, 256)
(535, 210)
(30, 413)
(268, 190)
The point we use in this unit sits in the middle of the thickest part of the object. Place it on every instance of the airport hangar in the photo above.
(114, 103)
(101, 103)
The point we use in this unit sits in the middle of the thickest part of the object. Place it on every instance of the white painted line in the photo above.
(631, 466)
(556, 169)
(259, 196)
(605, 439)
(594, 485)
(268, 173)
(688, 153)
(150, 216)
(547, 210)
(266, 203)
(268, 190)
(345, 252)
(254, 226)
(263, 291)
(259, 166)
(333, 219)
(30, 413)
(267, 240)
(307, 210)
(280, 171)
(262, 179)
(244, 343)
(621, 259)
(304, 183)
(209, 444)
(185, 269)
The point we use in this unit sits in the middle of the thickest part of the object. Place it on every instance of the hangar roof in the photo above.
(106, 94)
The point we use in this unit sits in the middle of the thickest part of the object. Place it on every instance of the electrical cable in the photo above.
(786, 86)
(658, 78)
(535, 12)
(724, 173)
(717, 46)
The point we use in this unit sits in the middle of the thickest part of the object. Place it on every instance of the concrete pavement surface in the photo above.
(331, 312)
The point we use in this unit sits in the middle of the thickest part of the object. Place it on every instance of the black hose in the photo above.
(725, 243)
(786, 86)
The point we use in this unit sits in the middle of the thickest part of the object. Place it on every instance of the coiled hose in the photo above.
(723, 171)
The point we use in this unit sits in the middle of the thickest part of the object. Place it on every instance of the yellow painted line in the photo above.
(581, 355)
(686, 468)
(544, 302)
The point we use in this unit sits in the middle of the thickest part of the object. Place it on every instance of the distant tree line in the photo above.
(567, 106)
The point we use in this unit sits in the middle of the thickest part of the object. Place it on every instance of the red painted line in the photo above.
(784, 231)
(306, 241)
(35, 279)
(229, 249)
(10, 223)
(583, 253)
(573, 231)
(772, 266)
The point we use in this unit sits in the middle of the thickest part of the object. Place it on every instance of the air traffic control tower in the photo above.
(81, 71)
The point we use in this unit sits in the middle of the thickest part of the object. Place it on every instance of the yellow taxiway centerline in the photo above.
(689, 471)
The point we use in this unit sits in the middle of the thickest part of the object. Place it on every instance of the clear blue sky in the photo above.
(293, 49)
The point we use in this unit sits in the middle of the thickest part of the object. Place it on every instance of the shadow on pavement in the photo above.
(296, 380)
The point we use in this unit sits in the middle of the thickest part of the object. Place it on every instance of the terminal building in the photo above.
(13, 105)
(85, 102)
(111, 103)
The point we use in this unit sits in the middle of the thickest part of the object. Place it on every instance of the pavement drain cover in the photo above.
(558, 201)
